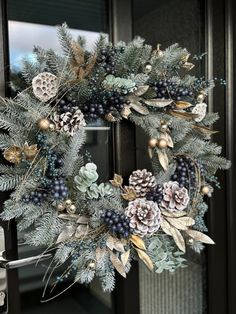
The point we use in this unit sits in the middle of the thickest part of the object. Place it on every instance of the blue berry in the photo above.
(117, 223)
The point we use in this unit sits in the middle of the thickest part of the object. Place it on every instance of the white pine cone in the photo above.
(69, 122)
(144, 216)
(142, 181)
(174, 197)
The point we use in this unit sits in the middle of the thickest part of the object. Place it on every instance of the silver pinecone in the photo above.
(69, 122)
(142, 181)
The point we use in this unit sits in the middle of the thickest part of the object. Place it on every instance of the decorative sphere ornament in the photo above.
(205, 189)
(43, 124)
(152, 142)
(72, 208)
(60, 207)
(162, 143)
(68, 202)
(200, 97)
(148, 68)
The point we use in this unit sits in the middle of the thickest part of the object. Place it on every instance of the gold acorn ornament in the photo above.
(201, 97)
(13, 154)
(43, 124)
(30, 151)
(68, 202)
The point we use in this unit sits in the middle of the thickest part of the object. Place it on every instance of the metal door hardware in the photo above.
(6, 264)
(2, 298)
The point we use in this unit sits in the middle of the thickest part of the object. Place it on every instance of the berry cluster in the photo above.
(54, 163)
(41, 139)
(185, 172)
(117, 223)
(109, 103)
(106, 59)
(64, 105)
(169, 89)
(35, 197)
(156, 195)
(58, 189)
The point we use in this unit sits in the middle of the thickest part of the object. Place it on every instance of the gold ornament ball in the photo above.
(92, 265)
(73, 208)
(200, 97)
(43, 124)
(152, 142)
(68, 202)
(162, 143)
(148, 68)
(60, 207)
(205, 189)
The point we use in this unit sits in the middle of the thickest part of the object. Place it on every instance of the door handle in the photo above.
(6, 264)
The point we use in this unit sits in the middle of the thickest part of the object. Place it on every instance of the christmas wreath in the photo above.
(56, 196)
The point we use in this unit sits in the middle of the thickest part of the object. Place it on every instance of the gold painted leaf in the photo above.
(68, 216)
(184, 115)
(204, 130)
(182, 105)
(166, 227)
(176, 223)
(129, 193)
(66, 233)
(174, 214)
(168, 138)
(179, 240)
(110, 242)
(117, 264)
(117, 180)
(199, 236)
(141, 90)
(109, 117)
(125, 257)
(137, 241)
(145, 258)
(188, 65)
(126, 112)
(118, 245)
(188, 221)
(150, 152)
(163, 159)
(137, 106)
(83, 220)
(159, 103)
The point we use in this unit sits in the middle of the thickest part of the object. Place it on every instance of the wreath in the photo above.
(56, 195)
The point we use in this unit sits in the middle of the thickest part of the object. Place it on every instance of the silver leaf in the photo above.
(141, 90)
(159, 103)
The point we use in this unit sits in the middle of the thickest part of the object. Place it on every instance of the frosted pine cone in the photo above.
(144, 216)
(69, 122)
(175, 198)
(142, 181)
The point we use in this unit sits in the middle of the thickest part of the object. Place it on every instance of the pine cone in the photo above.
(69, 122)
(144, 216)
(142, 181)
(175, 198)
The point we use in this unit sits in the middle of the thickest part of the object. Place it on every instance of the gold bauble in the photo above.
(148, 68)
(152, 142)
(43, 124)
(205, 189)
(68, 202)
(60, 207)
(13, 154)
(162, 143)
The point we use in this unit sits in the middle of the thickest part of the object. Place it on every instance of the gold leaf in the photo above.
(163, 159)
(150, 152)
(166, 227)
(204, 130)
(66, 233)
(199, 236)
(110, 242)
(126, 112)
(117, 180)
(181, 223)
(81, 231)
(159, 103)
(174, 214)
(109, 117)
(125, 257)
(68, 216)
(183, 115)
(83, 220)
(188, 65)
(129, 193)
(137, 106)
(141, 90)
(137, 241)
(117, 264)
(118, 245)
(78, 53)
(30, 151)
(145, 258)
(182, 104)
(168, 138)
(13, 154)
(179, 240)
